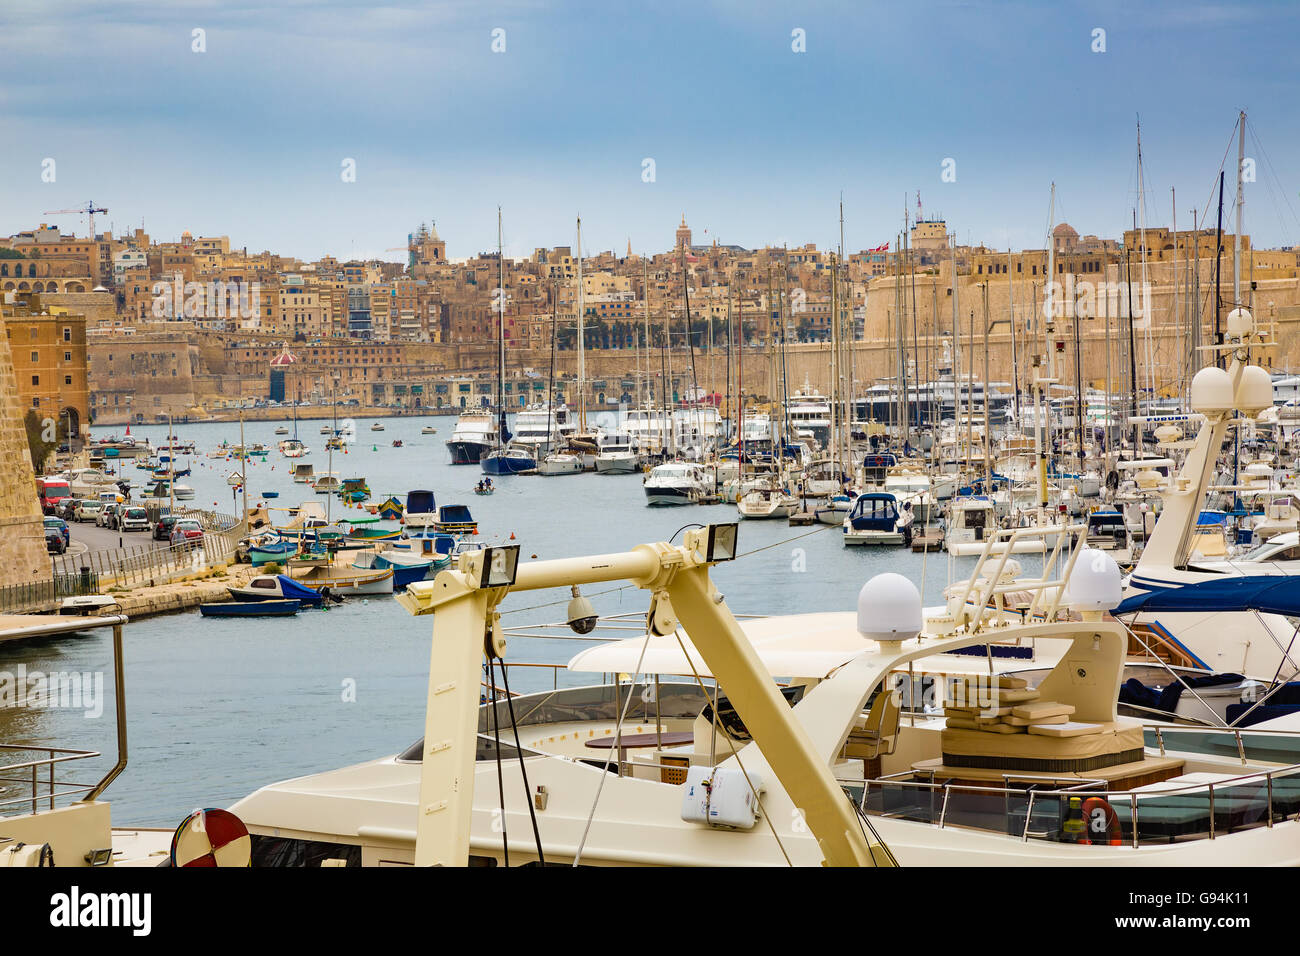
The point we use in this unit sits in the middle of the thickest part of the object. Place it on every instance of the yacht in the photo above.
(771, 500)
(511, 459)
(616, 454)
(560, 463)
(809, 415)
(876, 519)
(678, 483)
(474, 436)
(293, 448)
(650, 429)
(541, 429)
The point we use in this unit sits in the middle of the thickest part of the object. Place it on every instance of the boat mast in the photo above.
(1146, 304)
(501, 336)
(1040, 407)
(1241, 202)
(582, 356)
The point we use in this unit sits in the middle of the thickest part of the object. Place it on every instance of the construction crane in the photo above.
(89, 210)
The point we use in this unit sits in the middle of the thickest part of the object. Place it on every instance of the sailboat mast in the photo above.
(1040, 409)
(1241, 201)
(582, 357)
(501, 334)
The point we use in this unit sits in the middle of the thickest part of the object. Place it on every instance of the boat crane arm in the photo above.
(677, 576)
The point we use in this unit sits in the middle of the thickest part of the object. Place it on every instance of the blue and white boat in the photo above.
(876, 519)
(268, 551)
(421, 510)
(407, 566)
(455, 519)
(276, 587)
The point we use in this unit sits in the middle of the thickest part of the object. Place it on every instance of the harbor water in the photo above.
(217, 708)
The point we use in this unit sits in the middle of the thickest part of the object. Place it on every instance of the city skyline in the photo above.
(249, 136)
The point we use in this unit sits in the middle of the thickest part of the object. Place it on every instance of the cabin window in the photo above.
(267, 585)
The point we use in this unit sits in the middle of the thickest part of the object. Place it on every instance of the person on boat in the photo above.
(487, 482)
(479, 486)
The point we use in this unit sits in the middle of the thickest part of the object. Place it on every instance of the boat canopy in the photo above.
(800, 645)
(1267, 593)
(420, 502)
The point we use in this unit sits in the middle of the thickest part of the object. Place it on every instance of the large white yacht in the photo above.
(474, 436)
(543, 429)
(678, 483)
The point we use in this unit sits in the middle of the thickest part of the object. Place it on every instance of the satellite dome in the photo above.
(1094, 583)
(1254, 391)
(1211, 391)
(889, 608)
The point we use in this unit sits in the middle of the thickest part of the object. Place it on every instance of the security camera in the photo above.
(582, 616)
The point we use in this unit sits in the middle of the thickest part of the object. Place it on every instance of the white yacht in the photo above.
(543, 429)
(678, 483)
(560, 463)
(809, 415)
(474, 435)
(616, 454)
(650, 429)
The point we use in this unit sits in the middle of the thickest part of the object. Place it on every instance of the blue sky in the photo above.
(753, 141)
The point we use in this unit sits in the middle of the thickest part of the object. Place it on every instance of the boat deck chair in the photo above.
(876, 734)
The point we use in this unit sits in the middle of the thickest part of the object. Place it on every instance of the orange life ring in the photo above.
(1099, 817)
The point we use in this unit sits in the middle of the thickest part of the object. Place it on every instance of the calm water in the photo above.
(218, 708)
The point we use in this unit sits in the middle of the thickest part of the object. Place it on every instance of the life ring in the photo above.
(1100, 818)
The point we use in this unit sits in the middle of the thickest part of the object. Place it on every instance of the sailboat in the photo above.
(505, 459)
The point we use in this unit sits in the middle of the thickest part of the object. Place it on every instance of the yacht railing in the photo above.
(38, 776)
(1145, 817)
(981, 587)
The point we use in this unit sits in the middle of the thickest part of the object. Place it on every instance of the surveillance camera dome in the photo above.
(582, 617)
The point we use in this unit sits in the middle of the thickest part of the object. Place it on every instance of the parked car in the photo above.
(54, 542)
(67, 509)
(61, 526)
(134, 519)
(162, 529)
(187, 532)
(107, 516)
(88, 509)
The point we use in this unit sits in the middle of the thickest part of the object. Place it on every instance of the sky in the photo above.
(756, 118)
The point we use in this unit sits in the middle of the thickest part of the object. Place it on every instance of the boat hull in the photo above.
(274, 608)
(467, 452)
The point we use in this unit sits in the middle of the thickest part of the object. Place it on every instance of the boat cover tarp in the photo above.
(293, 590)
(1267, 593)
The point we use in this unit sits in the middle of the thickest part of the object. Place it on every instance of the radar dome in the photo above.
(1212, 391)
(1254, 391)
(889, 608)
(1240, 324)
(1094, 583)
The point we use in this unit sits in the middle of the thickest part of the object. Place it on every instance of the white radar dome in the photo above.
(1212, 391)
(1240, 324)
(1254, 391)
(889, 608)
(1094, 583)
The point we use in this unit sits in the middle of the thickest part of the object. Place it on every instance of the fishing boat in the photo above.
(876, 520)
(407, 567)
(455, 519)
(368, 529)
(324, 576)
(437, 546)
(266, 552)
(390, 508)
(273, 608)
(303, 472)
(354, 490)
(326, 484)
(271, 494)
(276, 587)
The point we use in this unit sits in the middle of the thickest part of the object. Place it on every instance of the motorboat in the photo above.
(560, 463)
(876, 519)
(293, 448)
(454, 519)
(275, 587)
(616, 454)
(407, 566)
(303, 472)
(474, 435)
(678, 483)
(421, 510)
(771, 501)
(326, 483)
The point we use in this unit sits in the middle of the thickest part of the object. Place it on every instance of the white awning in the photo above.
(799, 645)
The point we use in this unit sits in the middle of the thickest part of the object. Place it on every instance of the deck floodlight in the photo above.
(721, 543)
(500, 563)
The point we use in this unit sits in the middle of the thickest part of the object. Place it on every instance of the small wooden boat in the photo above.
(266, 552)
(281, 608)
(270, 494)
(344, 580)
(390, 508)
(407, 567)
(455, 519)
(397, 443)
(484, 491)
